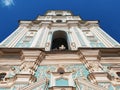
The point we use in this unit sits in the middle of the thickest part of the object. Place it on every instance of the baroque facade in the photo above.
(59, 51)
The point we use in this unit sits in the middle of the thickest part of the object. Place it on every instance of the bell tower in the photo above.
(59, 51)
(56, 29)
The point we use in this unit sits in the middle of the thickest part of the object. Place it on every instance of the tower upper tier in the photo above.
(59, 13)
(59, 30)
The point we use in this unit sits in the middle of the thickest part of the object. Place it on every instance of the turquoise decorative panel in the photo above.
(91, 37)
(43, 71)
(117, 88)
(106, 85)
(61, 82)
(26, 40)
(76, 69)
(4, 89)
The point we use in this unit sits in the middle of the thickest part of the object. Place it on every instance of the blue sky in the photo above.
(107, 11)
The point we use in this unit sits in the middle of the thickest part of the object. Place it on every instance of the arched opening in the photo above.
(2, 75)
(59, 41)
(58, 21)
(118, 73)
(58, 14)
(60, 70)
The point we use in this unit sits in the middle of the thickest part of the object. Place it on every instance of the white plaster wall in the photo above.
(15, 40)
(101, 37)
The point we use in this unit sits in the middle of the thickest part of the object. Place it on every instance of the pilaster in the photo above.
(31, 60)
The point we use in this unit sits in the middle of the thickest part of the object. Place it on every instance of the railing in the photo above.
(34, 85)
(88, 85)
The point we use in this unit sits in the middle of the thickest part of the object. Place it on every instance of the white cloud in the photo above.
(7, 2)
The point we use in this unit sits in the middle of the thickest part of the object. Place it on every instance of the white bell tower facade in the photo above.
(59, 51)
(59, 28)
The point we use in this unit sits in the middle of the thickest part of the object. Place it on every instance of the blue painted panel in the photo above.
(61, 82)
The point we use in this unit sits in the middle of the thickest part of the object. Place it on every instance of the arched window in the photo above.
(2, 75)
(59, 41)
